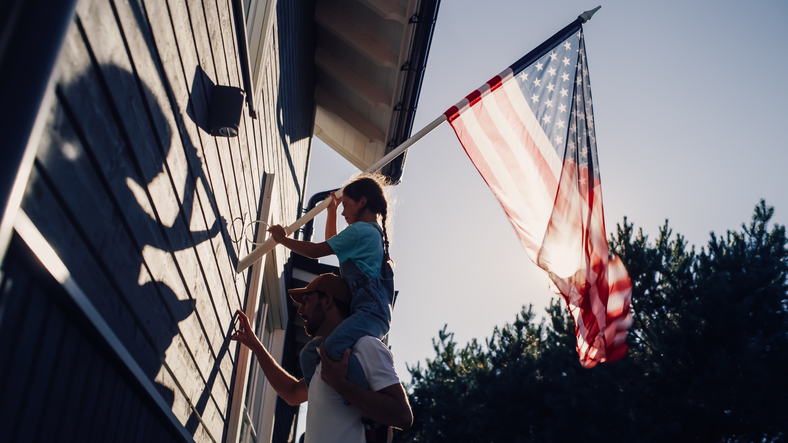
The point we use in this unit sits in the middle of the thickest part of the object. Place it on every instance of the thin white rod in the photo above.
(269, 244)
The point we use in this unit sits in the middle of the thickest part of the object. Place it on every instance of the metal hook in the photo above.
(250, 224)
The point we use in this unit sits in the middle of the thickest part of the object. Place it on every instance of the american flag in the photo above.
(530, 133)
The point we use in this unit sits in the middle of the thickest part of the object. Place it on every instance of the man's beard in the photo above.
(315, 321)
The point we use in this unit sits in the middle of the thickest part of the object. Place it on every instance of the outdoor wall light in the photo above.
(225, 111)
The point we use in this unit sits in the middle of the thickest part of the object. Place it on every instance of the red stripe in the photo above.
(452, 113)
(476, 156)
(576, 218)
(518, 126)
(495, 83)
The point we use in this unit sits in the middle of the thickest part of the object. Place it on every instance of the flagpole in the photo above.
(269, 244)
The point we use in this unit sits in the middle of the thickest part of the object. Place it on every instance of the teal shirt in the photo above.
(361, 242)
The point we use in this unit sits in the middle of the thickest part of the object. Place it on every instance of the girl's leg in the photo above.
(309, 358)
(358, 325)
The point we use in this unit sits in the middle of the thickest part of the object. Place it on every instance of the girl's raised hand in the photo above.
(278, 233)
(335, 201)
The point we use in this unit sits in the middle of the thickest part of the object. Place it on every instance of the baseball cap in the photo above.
(328, 283)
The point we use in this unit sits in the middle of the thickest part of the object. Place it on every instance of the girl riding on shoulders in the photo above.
(363, 253)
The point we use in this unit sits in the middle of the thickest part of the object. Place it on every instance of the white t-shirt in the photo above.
(329, 419)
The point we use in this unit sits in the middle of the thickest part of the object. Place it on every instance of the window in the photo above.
(253, 26)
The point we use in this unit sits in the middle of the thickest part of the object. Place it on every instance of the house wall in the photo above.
(145, 208)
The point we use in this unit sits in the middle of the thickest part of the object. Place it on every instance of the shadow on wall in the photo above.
(158, 208)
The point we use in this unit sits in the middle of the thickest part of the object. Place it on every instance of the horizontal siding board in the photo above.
(171, 393)
(168, 271)
(198, 101)
(14, 299)
(134, 195)
(98, 370)
(96, 278)
(67, 376)
(37, 392)
(217, 181)
(78, 393)
(106, 395)
(141, 43)
(19, 376)
(118, 429)
(164, 201)
(121, 395)
(131, 426)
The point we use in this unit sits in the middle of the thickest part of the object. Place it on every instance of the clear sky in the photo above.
(690, 102)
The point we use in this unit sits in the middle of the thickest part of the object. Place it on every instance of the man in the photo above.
(324, 304)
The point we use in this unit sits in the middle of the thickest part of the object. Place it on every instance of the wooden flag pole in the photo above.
(269, 244)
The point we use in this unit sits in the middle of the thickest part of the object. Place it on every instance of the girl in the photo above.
(363, 253)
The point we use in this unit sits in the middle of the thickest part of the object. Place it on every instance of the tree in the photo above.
(707, 358)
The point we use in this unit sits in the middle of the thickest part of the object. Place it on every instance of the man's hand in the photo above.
(278, 233)
(245, 335)
(388, 406)
(333, 373)
(293, 391)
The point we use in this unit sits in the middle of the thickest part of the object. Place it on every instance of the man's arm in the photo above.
(293, 391)
(388, 406)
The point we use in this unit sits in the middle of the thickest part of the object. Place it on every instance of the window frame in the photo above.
(253, 31)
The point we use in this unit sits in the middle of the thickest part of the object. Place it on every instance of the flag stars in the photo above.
(565, 77)
(524, 76)
(566, 61)
(537, 82)
(564, 92)
(535, 98)
(551, 87)
(546, 119)
(551, 71)
(567, 45)
(549, 103)
(539, 66)
(560, 123)
(562, 107)
(553, 55)
(558, 139)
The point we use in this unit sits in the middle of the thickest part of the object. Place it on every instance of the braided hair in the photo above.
(370, 186)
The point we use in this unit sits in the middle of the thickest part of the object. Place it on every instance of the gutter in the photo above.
(424, 20)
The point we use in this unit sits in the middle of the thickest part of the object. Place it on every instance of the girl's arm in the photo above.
(305, 248)
(331, 216)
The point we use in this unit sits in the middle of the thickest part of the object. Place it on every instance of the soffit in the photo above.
(361, 48)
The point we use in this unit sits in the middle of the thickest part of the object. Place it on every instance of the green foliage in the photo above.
(707, 359)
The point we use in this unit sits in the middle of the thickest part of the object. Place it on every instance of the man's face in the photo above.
(312, 312)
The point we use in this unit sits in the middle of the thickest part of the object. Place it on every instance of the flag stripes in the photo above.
(533, 143)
